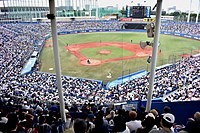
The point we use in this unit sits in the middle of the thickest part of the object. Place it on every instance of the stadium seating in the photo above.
(37, 91)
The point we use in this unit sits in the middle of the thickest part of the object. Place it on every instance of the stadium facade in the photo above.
(31, 10)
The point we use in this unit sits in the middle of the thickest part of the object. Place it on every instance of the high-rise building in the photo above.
(171, 9)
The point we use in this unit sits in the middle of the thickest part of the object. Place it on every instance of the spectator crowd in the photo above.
(34, 99)
(182, 28)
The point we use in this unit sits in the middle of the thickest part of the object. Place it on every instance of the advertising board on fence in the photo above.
(181, 35)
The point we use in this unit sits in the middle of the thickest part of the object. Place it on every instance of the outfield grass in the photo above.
(171, 47)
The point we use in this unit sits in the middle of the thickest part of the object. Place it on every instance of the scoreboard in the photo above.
(138, 11)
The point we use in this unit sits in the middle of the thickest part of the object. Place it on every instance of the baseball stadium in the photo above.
(73, 66)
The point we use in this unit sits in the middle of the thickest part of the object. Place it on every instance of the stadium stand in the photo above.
(182, 28)
(31, 102)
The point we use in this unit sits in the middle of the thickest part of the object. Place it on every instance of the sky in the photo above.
(182, 5)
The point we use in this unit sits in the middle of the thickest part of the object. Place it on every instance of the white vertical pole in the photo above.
(188, 19)
(92, 5)
(83, 6)
(97, 10)
(76, 8)
(13, 8)
(82, 1)
(76, 5)
(31, 9)
(90, 8)
(154, 54)
(39, 9)
(198, 11)
(17, 9)
(73, 7)
(65, 4)
(72, 4)
(56, 6)
(9, 9)
(57, 59)
(80, 7)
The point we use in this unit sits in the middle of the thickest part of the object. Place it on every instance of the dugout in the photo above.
(134, 25)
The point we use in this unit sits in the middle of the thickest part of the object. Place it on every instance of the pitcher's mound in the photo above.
(90, 62)
(105, 52)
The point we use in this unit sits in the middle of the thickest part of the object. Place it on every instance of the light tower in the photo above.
(97, 10)
(188, 19)
(198, 11)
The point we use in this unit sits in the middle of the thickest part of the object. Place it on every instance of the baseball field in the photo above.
(108, 55)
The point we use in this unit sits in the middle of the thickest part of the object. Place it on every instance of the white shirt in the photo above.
(133, 125)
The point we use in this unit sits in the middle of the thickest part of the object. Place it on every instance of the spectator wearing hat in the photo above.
(147, 124)
(134, 124)
(167, 121)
